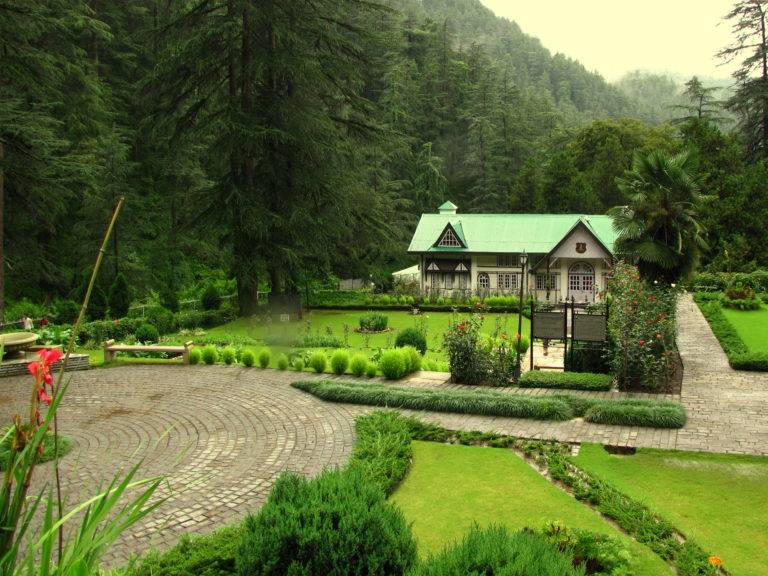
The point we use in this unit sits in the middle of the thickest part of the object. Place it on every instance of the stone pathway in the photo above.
(221, 436)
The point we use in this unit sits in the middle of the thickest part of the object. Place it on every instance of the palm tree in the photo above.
(659, 230)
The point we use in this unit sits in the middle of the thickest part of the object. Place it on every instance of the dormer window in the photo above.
(449, 240)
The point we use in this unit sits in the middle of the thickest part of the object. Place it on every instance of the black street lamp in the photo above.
(523, 270)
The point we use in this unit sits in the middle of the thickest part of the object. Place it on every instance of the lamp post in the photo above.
(523, 270)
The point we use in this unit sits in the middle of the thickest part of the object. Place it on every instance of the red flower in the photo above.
(41, 371)
(43, 396)
(49, 356)
(642, 342)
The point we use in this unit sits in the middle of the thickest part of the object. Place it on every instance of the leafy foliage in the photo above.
(147, 333)
(412, 337)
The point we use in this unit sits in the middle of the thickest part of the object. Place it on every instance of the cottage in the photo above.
(562, 256)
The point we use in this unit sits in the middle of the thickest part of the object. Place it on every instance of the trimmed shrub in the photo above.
(411, 337)
(751, 361)
(318, 341)
(752, 303)
(282, 362)
(119, 297)
(383, 448)
(248, 358)
(337, 523)
(228, 355)
(146, 333)
(298, 364)
(162, 318)
(211, 299)
(566, 380)
(265, 355)
(65, 311)
(413, 358)
(210, 355)
(358, 364)
(371, 370)
(191, 319)
(195, 355)
(318, 361)
(393, 364)
(339, 361)
(373, 322)
(659, 414)
(493, 550)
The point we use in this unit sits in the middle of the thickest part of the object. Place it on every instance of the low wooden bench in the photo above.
(111, 349)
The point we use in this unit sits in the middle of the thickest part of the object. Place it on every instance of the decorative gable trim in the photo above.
(449, 238)
(583, 225)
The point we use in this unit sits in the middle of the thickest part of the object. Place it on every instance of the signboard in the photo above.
(550, 325)
(589, 327)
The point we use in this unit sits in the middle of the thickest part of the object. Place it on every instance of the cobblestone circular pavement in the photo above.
(220, 435)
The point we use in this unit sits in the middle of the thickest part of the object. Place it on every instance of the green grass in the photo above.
(49, 453)
(719, 500)
(450, 487)
(751, 326)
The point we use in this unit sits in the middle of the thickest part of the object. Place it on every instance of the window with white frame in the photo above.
(507, 260)
(546, 281)
(449, 240)
(483, 281)
(507, 281)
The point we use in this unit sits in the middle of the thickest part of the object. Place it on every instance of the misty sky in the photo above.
(615, 36)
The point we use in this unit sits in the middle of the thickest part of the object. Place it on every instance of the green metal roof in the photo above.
(513, 233)
(448, 206)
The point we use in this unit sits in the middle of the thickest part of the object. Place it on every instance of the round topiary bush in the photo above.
(358, 364)
(210, 354)
(211, 299)
(318, 361)
(162, 318)
(195, 356)
(248, 358)
(412, 337)
(298, 364)
(339, 361)
(371, 370)
(265, 355)
(393, 364)
(413, 359)
(282, 362)
(146, 333)
(228, 355)
(337, 523)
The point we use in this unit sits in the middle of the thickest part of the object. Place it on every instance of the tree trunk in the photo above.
(2, 234)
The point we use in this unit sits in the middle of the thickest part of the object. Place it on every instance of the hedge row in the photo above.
(650, 413)
(739, 356)
(566, 380)
(635, 518)
(423, 307)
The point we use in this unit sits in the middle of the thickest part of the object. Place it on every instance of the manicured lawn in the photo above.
(751, 326)
(720, 500)
(451, 486)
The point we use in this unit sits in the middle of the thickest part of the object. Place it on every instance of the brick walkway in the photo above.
(221, 435)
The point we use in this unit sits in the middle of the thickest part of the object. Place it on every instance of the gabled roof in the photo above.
(508, 233)
(447, 206)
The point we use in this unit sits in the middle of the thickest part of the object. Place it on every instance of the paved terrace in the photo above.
(223, 434)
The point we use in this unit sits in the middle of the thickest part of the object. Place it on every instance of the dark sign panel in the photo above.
(589, 327)
(548, 325)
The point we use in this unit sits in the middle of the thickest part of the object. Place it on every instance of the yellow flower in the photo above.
(715, 560)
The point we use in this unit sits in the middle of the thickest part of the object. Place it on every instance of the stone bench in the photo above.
(111, 349)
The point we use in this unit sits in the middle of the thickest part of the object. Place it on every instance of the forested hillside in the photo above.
(278, 143)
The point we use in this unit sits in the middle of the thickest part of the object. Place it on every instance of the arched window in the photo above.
(483, 281)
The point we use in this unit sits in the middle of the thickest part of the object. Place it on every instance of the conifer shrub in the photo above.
(413, 359)
(228, 355)
(119, 297)
(146, 333)
(282, 362)
(371, 370)
(412, 337)
(337, 523)
(298, 364)
(210, 354)
(358, 364)
(339, 361)
(265, 355)
(318, 361)
(195, 356)
(248, 358)
(211, 299)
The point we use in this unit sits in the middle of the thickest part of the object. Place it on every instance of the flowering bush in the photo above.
(478, 359)
(641, 326)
